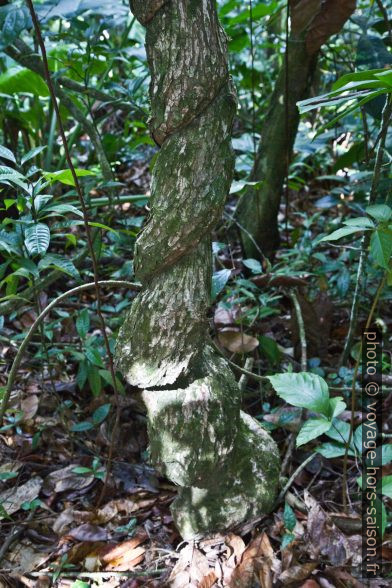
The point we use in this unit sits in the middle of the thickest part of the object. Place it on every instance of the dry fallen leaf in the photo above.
(124, 556)
(29, 406)
(13, 498)
(297, 573)
(66, 479)
(237, 342)
(191, 569)
(258, 555)
(324, 537)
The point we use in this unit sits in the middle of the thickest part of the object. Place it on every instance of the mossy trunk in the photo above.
(312, 24)
(225, 464)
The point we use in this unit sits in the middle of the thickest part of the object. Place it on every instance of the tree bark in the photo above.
(313, 22)
(225, 464)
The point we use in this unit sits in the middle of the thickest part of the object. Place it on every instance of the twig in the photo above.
(244, 378)
(77, 185)
(354, 390)
(38, 321)
(100, 575)
(292, 478)
(301, 328)
(386, 116)
(16, 532)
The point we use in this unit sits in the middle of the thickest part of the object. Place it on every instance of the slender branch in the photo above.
(292, 478)
(19, 355)
(386, 117)
(354, 390)
(301, 328)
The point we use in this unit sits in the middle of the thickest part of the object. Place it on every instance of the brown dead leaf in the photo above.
(297, 573)
(260, 554)
(124, 556)
(324, 537)
(208, 581)
(29, 406)
(237, 342)
(191, 569)
(225, 316)
(13, 498)
(66, 479)
(310, 584)
(235, 549)
(343, 579)
(88, 532)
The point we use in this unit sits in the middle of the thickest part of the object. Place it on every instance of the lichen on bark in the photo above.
(225, 465)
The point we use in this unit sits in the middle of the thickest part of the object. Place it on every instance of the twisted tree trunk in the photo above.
(312, 23)
(225, 465)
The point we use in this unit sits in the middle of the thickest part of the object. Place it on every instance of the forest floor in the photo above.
(67, 523)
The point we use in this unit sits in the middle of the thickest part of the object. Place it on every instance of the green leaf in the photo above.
(83, 323)
(360, 221)
(286, 540)
(63, 264)
(343, 232)
(32, 153)
(8, 475)
(81, 470)
(84, 426)
(381, 212)
(253, 265)
(61, 209)
(270, 348)
(37, 238)
(94, 356)
(7, 154)
(65, 175)
(80, 584)
(219, 281)
(386, 486)
(339, 431)
(311, 429)
(19, 80)
(303, 389)
(331, 450)
(381, 247)
(337, 406)
(94, 379)
(101, 413)
(289, 518)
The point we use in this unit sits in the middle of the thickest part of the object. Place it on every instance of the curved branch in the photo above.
(18, 357)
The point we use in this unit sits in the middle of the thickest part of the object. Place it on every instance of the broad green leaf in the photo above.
(61, 209)
(60, 263)
(343, 232)
(383, 455)
(82, 469)
(339, 431)
(289, 518)
(84, 426)
(385, 77)
(219, 281)
(93, 356)
(286, 540)
(253, 265)
(37, 238)
(311, 429)
(83, 323)
(331, 450)
(7, 154)
(32, 153)
(358, 76)
(303, 389)
(101, 413)
(19, 80)
(381, 212)
(381, 247)
(337, 406)
(94, 379)
(360, 221)
(386, 486)
(65, 175)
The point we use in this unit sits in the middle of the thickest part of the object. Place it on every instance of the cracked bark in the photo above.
(225, 464)
(313, 22)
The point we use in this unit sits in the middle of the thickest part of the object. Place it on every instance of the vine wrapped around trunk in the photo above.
(225, 464)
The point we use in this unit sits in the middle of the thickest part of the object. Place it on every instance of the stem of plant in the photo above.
(354, 392)
(386, 117)
(37, 323)
(49, 82)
